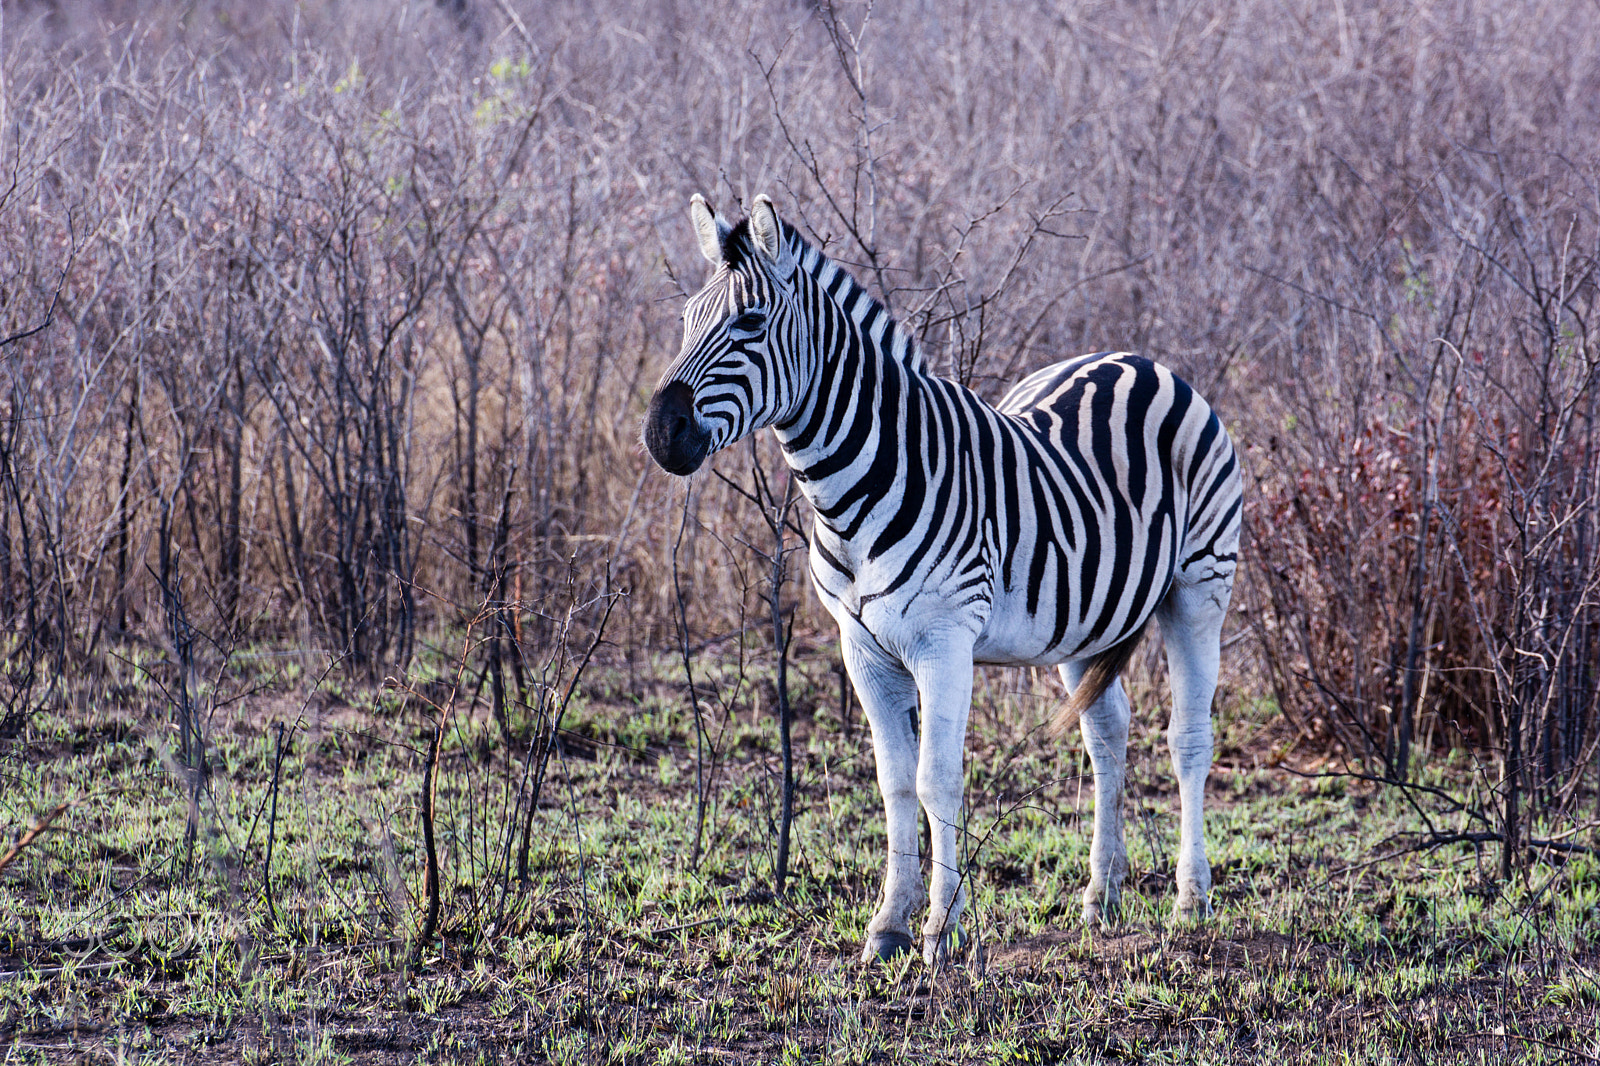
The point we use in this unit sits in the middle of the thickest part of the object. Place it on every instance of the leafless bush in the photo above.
(367, 305)
(1425, 510)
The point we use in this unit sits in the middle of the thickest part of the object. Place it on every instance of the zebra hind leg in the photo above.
(1191, 625)
(1105, 734)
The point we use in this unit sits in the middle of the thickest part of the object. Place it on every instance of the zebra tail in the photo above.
(1103, 671)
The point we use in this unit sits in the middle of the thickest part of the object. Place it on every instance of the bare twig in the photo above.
(430, 787)
(272, 826)
(33, 833)
(701, 784)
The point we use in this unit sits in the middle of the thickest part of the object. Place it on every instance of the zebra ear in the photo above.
(712, 229)
(767, 236)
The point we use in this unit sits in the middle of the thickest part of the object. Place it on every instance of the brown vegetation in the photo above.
(334, 328)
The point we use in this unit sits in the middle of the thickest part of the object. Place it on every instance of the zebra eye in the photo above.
(748, 322)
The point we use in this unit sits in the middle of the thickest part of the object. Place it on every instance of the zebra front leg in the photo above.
(889, 698)
(1105, 734)
(1191, 626)
(945, 681)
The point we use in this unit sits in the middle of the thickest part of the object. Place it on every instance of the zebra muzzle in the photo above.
(672, 431)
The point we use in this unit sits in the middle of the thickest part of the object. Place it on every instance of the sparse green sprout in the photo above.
(508, 69)
(353, 78)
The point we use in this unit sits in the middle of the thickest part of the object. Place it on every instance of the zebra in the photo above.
(1046, 530)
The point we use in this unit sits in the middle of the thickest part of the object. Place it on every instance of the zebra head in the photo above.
(739, 369)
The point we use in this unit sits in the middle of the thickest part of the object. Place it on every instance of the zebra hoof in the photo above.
(886, 946)
(1101, 914)
(945, 946)
(1194, 894)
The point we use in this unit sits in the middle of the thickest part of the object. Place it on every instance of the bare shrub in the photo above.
(357, 305)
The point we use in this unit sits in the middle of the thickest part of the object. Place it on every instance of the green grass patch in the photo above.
(126, 939)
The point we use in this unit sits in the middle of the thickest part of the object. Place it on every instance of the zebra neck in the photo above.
(859, 425)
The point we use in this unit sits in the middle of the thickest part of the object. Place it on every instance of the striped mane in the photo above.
(877, 324)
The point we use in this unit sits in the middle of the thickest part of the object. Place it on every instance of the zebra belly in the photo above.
(1053, 604)
(1013, 637)
(996, 623)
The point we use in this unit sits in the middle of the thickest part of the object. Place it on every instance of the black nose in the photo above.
(672, 433)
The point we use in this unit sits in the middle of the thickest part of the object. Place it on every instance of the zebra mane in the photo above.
(877, 325)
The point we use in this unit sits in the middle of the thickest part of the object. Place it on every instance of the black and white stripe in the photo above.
(1100, 492)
